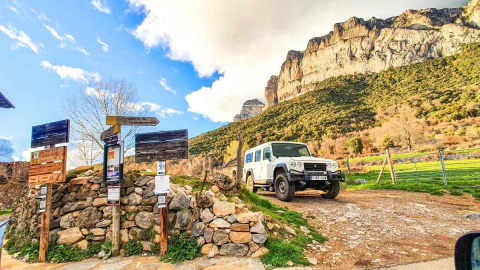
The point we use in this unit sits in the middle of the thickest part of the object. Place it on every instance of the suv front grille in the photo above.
(316, 167)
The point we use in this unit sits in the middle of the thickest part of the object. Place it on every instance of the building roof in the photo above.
(4, 103)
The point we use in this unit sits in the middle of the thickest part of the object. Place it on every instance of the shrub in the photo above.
(355, 144)
(133, 247)
(181, 248)
(149, 234)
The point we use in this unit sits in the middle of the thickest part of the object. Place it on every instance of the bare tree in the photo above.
(88, 110)
(403, 126)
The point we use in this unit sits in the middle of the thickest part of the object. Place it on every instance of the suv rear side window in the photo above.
(258, 155)
(248, 157)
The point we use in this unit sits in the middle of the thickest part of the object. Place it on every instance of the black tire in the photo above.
(332, 191)
(251, 184)
(283, 189)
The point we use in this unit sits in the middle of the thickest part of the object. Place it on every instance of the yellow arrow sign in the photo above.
(132, 121)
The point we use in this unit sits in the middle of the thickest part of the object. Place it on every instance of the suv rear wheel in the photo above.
(332, 191)
(283, 189)
(251, 184)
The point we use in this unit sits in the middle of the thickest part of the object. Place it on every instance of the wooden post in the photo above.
(349, 171)
(45, 226)
(164, 224)
(392, 168)
(238, 181)
(383, 168)
(116, 230)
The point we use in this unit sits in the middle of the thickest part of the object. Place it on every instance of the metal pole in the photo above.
(349, 171)
(442, 162)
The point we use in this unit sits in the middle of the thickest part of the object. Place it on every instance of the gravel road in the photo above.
(378, 228)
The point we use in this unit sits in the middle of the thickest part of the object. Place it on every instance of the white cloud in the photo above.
(14, 10)
(15, 158)
(22, 39)
(82, 50)
(247, 41)
(70, 38)
(104, 45)
(42, 16)
(71, 73)
(102, 7)
(53, 32)
(163, 83)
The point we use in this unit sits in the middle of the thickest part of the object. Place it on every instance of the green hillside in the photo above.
(444, 89)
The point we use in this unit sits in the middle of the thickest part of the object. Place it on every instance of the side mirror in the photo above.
(268, 156)
(467, 251)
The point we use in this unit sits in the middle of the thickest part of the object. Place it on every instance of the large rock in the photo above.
(240, 237)
(257, 228)
(239, 227)
(206, 216)
(134, 199)
(247, 217)
(67, 221)
(198, 229)
(179, 202)
(220, 223)
(98, 231)
(143, 180)
(73, 206)
(100, 201)
(69, 236)
(260, 238)
(260, 252)
(144, 219)
(204, 201)
(183, 220)
(220, 237)
(89, 217)
(222, 209)
(234, 250)
(208, 235)
(135, 233)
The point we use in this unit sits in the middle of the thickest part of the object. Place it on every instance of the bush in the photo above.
(65, 253)
(280, 252)
(133, 247)
(356, 145)
(181, 248)
(149, 234)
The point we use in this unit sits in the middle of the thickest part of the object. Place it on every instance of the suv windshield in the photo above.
(290, 150)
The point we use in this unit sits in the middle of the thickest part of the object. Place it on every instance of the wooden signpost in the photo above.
(47, 167)
(161, 146)
(113, 165)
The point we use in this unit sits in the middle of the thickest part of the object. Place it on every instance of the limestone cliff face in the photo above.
(271, 91)
(359, 46)
(249, 109)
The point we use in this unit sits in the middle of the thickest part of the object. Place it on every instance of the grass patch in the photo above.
(181, 248)
(5, 212)
(281, 251)
(194, 182)
(132, 247)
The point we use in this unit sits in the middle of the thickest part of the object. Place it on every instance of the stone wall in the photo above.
(80, 214)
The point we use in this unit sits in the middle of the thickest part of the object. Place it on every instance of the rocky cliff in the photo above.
(249, 109)
(364, 46)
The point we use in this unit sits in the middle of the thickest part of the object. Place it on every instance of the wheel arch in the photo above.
(279, 168)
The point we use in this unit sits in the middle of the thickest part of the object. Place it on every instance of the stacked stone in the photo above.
(80, 214)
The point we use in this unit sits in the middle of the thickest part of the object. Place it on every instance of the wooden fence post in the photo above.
(349, 171)
(238, 181)
(383, 168)
(392, 168)
(116, 229)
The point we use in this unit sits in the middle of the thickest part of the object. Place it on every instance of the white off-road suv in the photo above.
(286, 167)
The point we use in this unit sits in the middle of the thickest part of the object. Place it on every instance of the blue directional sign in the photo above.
(4, 103)
(51, 133)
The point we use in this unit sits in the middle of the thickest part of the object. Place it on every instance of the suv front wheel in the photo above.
(332, 191)
(283, 189)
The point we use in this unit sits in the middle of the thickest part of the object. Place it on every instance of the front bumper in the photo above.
(306, 175)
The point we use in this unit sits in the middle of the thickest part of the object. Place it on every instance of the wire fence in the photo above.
(455, 167)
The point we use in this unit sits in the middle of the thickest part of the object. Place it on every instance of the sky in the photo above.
(196, 61)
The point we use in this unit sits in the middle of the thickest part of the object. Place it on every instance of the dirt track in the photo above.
(373, 228)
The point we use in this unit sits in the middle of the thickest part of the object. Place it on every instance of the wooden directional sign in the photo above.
(163, 145)
(107, 133)
(132, 121)
(109, 136)
(48, 166)
(51, 133)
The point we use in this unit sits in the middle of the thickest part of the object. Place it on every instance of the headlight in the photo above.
(334, 165)
(329, 165)
(293, 164)
(299, 164)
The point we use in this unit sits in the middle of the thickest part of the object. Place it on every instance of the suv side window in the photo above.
(258, 155)
(248, 157)
(266, 151)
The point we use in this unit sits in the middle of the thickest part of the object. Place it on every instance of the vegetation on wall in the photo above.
(443, 89)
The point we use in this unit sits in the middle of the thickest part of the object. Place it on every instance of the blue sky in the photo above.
(198, 60)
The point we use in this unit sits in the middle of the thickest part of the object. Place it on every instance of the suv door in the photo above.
(265, 163)
(257, 169)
